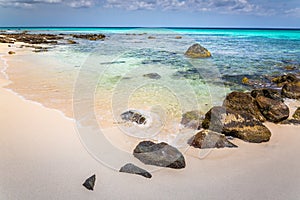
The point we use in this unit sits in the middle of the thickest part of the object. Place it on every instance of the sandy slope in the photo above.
(41, 157)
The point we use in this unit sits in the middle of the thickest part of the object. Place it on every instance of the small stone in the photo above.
(152, 76)
(245, 81)
(11, 52)
(151, 37)
(90, 182)
(71, 42)
(132, 169)
(178, 37)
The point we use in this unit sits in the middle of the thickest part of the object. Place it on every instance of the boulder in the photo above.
(132, 169)
(273, 110)
(90, 182)
(267, 92)
(209, 139)
(243, 102)
(134, 116)
(192, 119)
(291, 90)
(296, 115)
(241, 125)
(160, 154)
(152, 76)
(197, 51)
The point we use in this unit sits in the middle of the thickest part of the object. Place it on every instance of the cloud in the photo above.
(81, 3)
(294, 12)
(26, 3)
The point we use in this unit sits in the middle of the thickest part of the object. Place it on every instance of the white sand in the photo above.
(41, 157)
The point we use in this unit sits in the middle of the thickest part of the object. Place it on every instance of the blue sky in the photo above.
(151, 13)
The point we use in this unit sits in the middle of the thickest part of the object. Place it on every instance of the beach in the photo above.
(42, 155)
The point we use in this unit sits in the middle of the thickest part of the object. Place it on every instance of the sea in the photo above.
(145, 70)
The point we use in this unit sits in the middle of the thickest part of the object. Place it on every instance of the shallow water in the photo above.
(95, 82)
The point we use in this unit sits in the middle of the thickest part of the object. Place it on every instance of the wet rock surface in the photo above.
(132, 169)
(209, 139)
(134, 116)
(237, 124)
(197, 51)
(160, 154)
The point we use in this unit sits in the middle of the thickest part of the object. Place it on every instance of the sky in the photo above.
(151, 13)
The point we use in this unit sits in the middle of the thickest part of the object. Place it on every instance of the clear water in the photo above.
(106, 78)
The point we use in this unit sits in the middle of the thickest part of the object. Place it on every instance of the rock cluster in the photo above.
(92, 37)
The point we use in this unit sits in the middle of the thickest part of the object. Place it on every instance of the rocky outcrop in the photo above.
(273, 110)
(160, 154)
(92, 37)
(192, 119)
(291, 90)
(237, 124)
(132, 169)
(243, 102)
(134, 116)
(90, 182)
(209, 139)
(296, 115)
(197, 51)
(152, 76)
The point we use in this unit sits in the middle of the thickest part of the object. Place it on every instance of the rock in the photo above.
(296, 115)
(152, 76)
(160, 154)
(291, 90)
(92, 37)
(90, 182)
(245, 81)
(197, 51)
(132, 169)
(178, 37)
(192, 119)
(11, 52)
(267, 92)
(151, 37)
(71, 42)
(272, 110)
(209, 139)
(281, 80)
(237, 124)
(243, 102)
(134, 116)
(290, 67)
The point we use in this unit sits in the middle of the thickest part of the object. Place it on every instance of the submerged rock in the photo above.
(291, 90)
(241, 125)
(197, 51)
(160, 154)
(192, 119)
(281, 80)
(273, 110)
(210, 139)
(152, 76)
(132, 169)
(90, 182)
(134, 116)
(243, 102)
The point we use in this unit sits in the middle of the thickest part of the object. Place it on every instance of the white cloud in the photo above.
(295, 12)
(81, 3)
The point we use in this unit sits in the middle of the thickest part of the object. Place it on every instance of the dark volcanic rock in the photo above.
(209, 139)
(132, 169)
(92, 37)
(160, 154)
(134, 116)
(197, 51)
(242, 102)
(273, 110)
(237, 124)
(291, 90)
(90, 182)
(192, 119)
(296, 115)
(152, 76)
